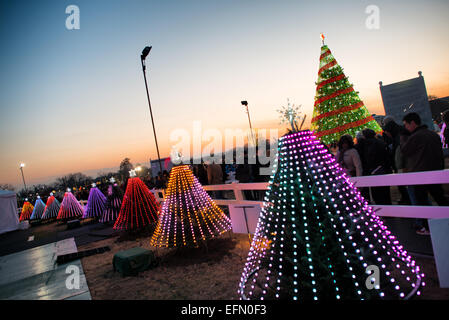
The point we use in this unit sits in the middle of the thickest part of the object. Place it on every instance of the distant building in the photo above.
(437, 106)
(407, 96)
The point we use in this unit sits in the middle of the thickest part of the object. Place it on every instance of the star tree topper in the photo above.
(290, 114)
(132, 173)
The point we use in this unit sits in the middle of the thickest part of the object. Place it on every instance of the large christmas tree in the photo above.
(95, 203)
(27, 210)
(70, 207)
(188, 214)
(51, 208)
(38, 211)
(139, 208)
(317, 238)
(338, 109)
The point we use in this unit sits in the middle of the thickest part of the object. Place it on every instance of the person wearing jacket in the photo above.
(423, 152)
(376, 161)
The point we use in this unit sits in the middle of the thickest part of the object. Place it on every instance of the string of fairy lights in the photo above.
(314, 217)
(27, 210)
(338, 109)
(38, 210)
(70, 207)
(188, 214)
(51, 208)
(95, 203)
(139, 207)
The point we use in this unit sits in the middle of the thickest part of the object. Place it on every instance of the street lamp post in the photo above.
(245, 104)
(144, 54)
(23, 177)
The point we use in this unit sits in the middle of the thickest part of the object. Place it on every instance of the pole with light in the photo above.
(23, 177)
(144, 54)
(245, 105)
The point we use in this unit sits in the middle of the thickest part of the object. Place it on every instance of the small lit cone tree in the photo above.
(39, 207)
(338, 109)
(113, 203)
(51, 208)
(188, 214)
(70, 207)
(318, 239)
(27, 210)
(96, 203)
(139, 207)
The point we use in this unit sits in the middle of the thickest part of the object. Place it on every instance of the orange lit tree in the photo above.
(188, 214)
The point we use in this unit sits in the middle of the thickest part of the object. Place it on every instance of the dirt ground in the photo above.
(186, 274)
(193, 273)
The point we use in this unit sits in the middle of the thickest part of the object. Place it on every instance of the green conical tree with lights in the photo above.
(338, 109)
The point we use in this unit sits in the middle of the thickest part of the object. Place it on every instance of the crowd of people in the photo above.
(411, 147)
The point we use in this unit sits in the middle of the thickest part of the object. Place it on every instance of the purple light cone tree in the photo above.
(113, 203)
(95, 203)
(38, 210)
(318, 239)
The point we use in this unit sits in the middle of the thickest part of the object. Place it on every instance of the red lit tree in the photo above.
(139, 207)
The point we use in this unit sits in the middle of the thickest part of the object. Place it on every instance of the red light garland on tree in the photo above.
(139, 206)
(338, 109)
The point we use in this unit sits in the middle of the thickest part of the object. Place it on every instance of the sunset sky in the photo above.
(74, 100)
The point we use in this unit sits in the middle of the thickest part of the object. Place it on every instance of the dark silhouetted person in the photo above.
(423, 152)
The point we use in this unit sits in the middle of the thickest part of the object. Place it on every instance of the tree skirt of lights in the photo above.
(317, 238)
(188, 214)
(95, 204)
(139, 207)
(113, 204)
(39, 207)
(52, 208)
(27, 210)
(70, 207)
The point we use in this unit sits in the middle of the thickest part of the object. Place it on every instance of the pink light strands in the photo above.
(70, 207)
(188, 214)
(317, 237)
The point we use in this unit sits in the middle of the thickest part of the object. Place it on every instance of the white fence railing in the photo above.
(399, 179)
(244, 213)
